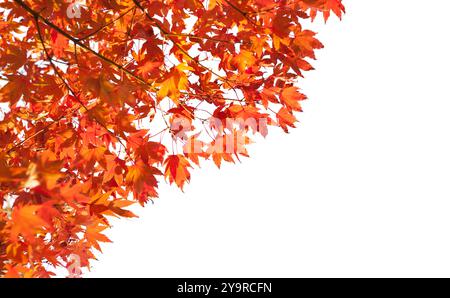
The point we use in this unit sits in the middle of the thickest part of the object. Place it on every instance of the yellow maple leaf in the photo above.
(174, 81)
(244, 60)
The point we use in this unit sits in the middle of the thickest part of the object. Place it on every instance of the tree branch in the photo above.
(74, 94)
(79, 43)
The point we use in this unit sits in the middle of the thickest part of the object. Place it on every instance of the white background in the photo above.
(360, 189)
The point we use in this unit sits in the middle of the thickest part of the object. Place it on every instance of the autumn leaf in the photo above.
(285, 119)
(26, 222)
(94, 236)
(14, 56)
(142, 179)
(13, 90)
(11, 174)
(104, 204)
(59, 43)
(327, 6)
(174, 82)
(291, 98)
(177, 170)
(148, 68)
(244, 60)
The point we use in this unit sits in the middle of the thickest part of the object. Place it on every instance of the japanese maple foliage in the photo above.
(99, 100)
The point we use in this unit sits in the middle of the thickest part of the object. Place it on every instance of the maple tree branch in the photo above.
(78, 42)
(168, 34)
(74, 94)
(45, 128)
